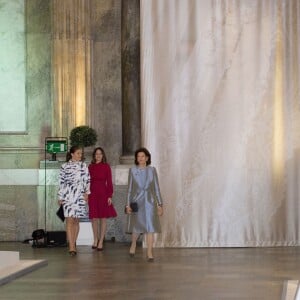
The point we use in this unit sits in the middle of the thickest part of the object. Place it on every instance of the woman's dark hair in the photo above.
(73, 149)
(146, 152)
(104, 159)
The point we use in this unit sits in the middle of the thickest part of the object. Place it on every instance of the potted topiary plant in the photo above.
(83, 136)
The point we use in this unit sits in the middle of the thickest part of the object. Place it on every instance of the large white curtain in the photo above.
(221, 117)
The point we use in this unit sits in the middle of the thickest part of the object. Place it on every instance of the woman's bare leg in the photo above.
(149, 238)
(68, 231)
(95, 226)
(102, 233)
(134, 237)
(70, 228)
(76, 230)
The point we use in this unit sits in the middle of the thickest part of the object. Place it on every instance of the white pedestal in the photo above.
(85, 236)
(8, 258)
(12, 267)
(290, 290)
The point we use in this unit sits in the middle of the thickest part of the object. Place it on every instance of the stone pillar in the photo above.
(71, 56)
(131, 107)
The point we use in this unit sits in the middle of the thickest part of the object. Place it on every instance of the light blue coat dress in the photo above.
(143, 188)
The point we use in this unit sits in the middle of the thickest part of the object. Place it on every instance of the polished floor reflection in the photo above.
(193, 273)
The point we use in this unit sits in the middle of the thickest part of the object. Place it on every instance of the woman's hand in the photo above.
(160, 210)
(59, 202)
(109, 201)
(86, 197)
(128, 209)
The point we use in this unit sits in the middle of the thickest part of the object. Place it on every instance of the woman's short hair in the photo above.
(146, 152)
(104, 159)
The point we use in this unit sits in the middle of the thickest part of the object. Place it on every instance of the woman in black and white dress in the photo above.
(74, 187)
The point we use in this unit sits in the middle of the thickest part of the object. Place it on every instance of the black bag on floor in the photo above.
(56, 238)
(39, 238)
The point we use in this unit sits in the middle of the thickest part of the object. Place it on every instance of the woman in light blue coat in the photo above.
(143, 192)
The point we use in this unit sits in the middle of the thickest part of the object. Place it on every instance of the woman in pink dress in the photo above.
(100, 199)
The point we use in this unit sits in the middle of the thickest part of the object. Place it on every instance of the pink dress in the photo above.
(101, 189)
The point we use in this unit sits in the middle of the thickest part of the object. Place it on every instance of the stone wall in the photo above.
(21, 199)
(106, 81)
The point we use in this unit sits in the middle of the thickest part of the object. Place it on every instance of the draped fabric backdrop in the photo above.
(221, 117)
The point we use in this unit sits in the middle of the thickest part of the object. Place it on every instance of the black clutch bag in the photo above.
(60, 213)
(134, 206)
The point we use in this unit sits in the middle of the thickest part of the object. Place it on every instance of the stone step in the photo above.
(12, 267)
(291, 290)
(8, 258)
(21, 268)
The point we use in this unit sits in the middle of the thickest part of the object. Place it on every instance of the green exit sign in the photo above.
(56, 146)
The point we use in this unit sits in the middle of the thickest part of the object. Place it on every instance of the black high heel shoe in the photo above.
(95, 247)
(99, 248)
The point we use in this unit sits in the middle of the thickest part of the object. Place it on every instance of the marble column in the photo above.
(131, 107)
(71, 56)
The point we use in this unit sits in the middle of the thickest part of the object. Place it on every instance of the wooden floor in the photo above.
(188, 273)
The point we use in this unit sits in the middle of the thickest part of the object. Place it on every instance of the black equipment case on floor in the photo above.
(56, 238)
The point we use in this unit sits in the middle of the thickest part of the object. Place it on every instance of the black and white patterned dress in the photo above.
(74, 181)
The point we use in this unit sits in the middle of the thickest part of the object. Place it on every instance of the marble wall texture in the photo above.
(22, 188)
(24, 149)
(12, 62)
(106, 81)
